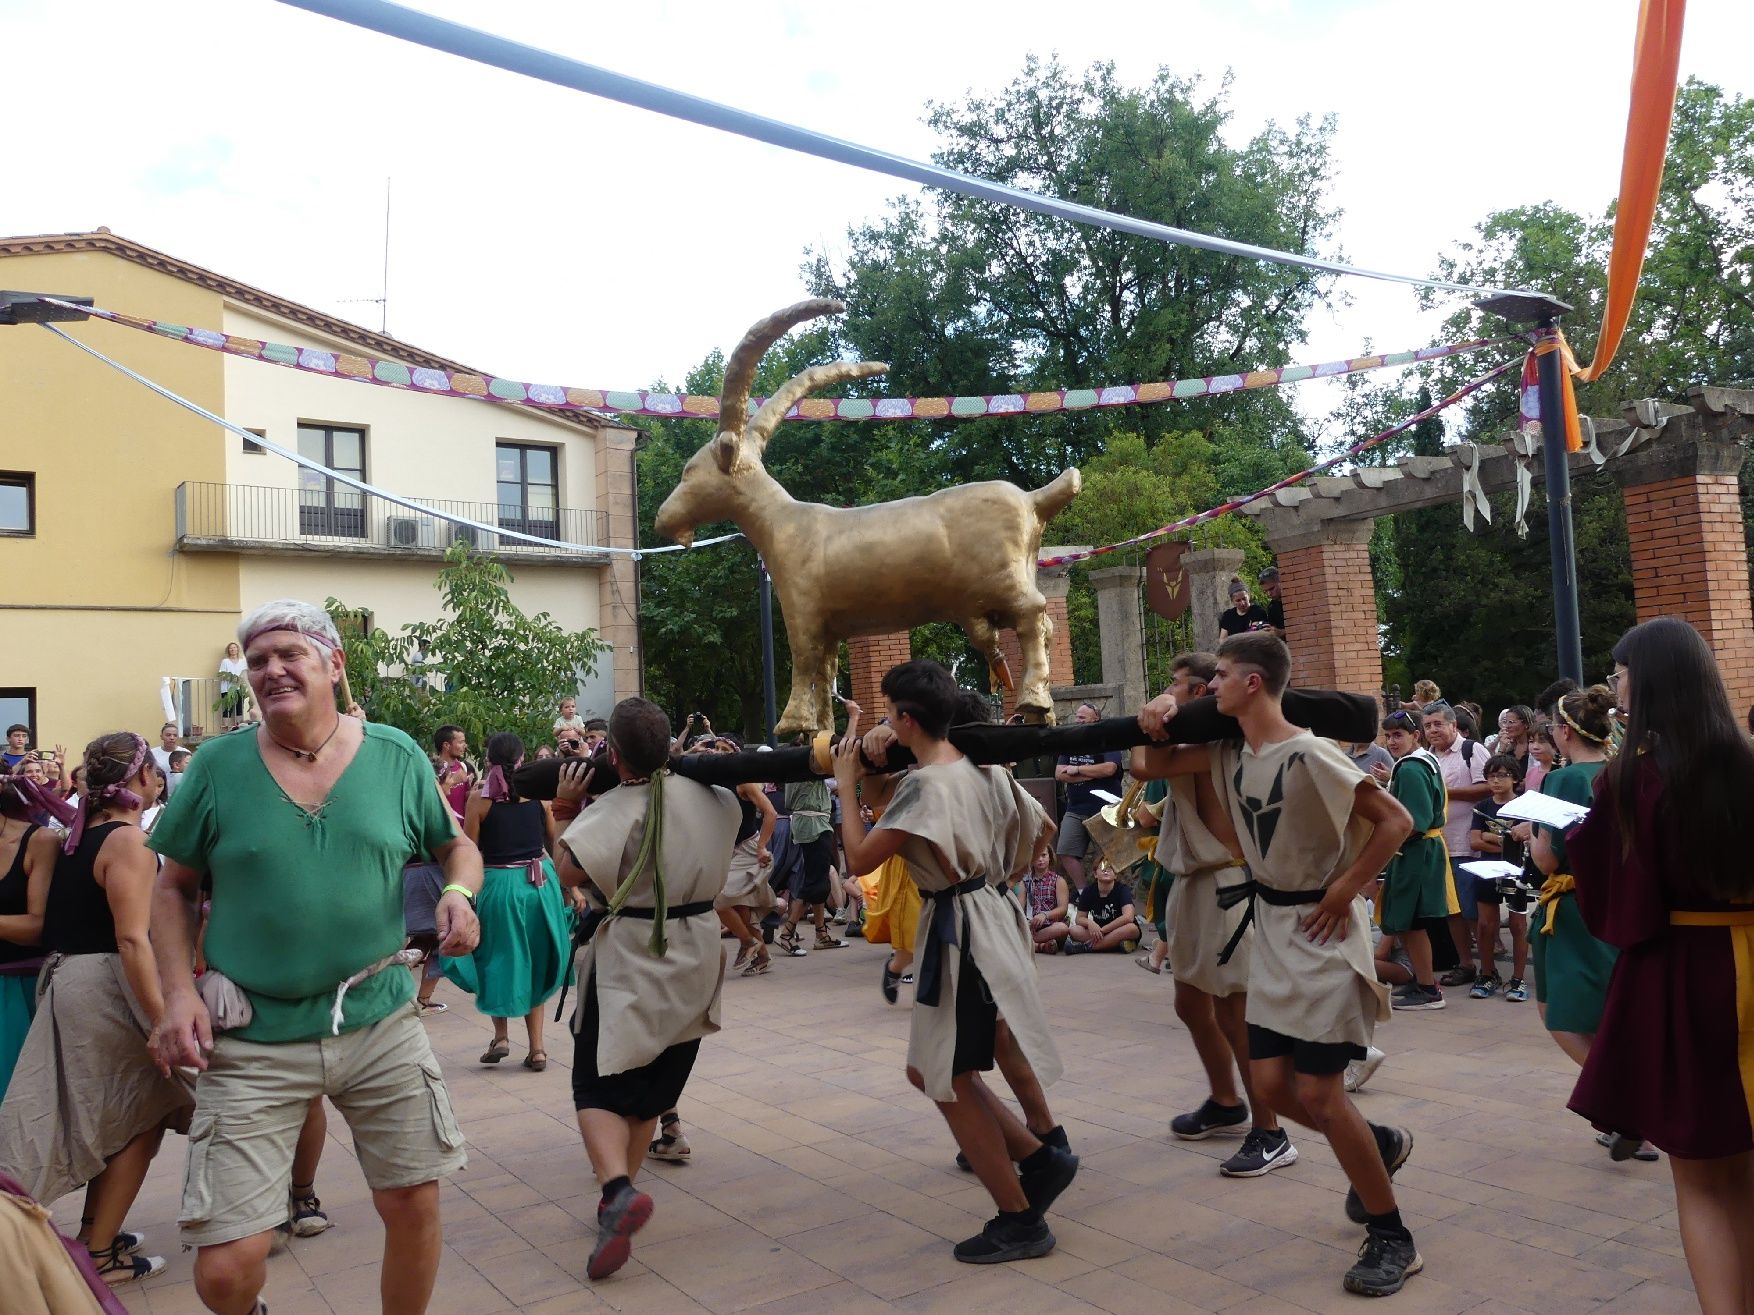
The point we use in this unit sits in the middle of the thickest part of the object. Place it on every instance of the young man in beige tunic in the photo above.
(654, 853)
(963, 830)
(1197, 843)
(1315, 831)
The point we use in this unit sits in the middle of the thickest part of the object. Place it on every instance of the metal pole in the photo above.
(770, 705)
(1567, 628)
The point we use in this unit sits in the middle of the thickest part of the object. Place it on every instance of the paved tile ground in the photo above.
(822, 1182)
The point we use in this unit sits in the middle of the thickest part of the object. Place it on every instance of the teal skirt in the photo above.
(525, 953)
(18, 1005)
(1572, 968)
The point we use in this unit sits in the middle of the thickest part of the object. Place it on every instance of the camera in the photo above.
(1515, 892)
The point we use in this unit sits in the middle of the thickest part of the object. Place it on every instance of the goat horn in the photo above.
(740, 369)
(801, 386)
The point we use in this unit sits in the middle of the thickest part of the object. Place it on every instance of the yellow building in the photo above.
(134, 535)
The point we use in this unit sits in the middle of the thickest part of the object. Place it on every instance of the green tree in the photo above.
(483, 665)
(963, 296)
(1474, 612)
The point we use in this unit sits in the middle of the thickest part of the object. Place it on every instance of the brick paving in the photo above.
(821, 1181)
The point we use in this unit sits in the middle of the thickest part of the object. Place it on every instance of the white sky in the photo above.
(552, 237)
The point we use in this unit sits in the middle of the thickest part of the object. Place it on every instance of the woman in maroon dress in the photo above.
(1663, 873)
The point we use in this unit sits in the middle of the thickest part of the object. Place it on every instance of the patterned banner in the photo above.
(689, 406)
(1225, 508)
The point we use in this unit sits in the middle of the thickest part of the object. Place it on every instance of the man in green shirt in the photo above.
(808, 804)
(301, 827)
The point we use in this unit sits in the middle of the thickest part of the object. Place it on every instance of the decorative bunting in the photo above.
(692, 406)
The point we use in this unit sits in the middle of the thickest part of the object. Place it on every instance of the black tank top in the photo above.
(749, 823)
(15, 901)
(512, 833)
(78, 919)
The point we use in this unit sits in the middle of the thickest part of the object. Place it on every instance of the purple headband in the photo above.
(34, 795)
(272, 626)
(495, 786)
(117, 792)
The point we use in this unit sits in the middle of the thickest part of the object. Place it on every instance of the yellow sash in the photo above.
(1728, 918)
(1560, 883)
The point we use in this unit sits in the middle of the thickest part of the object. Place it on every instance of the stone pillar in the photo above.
(1210, 572)
(1684, 525)
(1121, 633)
(1055, 582)
(618, 582)
(868, 658)
(1330, 605)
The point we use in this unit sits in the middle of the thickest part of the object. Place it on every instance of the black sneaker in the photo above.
(1395, 1145)
(1210, 1118)
(1005, 1239)
(891, 981)
(1263, 1150)
(1043, 1186)
(1385, 1263)
(1486, 987)
(1414, 996)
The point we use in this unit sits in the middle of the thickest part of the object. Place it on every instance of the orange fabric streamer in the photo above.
(1553, 342)
(1655, 62)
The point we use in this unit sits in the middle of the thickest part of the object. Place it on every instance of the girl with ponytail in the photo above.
(86, 1105)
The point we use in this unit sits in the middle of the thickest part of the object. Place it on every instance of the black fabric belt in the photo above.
(693, 910)
(1251, 890)
(940, 935)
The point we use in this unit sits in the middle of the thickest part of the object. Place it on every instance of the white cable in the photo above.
(546, 66)
(360, 485)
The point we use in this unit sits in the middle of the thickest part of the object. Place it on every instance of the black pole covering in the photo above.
(1329, 713)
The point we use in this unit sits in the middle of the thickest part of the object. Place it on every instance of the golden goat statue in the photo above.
(964, 554)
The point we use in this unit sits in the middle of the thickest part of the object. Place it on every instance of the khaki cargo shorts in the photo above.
(252, 1100)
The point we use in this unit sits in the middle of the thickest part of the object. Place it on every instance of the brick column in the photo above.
(868, 658)
(1330, 605)
(1055, 582)
(1684, 525)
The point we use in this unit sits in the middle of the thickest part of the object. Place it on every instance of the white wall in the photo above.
(398, 592)
(417, 445)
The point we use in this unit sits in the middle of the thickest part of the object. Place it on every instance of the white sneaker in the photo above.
(1360, 1071)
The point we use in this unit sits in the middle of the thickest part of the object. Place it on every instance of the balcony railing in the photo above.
(249, 518)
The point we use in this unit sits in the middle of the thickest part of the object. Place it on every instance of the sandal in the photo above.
(536, 1061)
(496, 1051)
(114, 1265)
(125, 1242)
(759, 962)
(743, 952)
(891, 981)
(1144, 961)
(671, 1147)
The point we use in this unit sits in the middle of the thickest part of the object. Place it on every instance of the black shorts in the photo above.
(977, 1017)
(1317, 1058)
(818, 858)
(636, 1093)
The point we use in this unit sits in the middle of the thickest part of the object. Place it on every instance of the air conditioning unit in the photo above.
(409, 532)
(470, 535)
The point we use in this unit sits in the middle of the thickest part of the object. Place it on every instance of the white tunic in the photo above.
(1201, 863)
(647, 1003)
(961, 822)
(1292, 803)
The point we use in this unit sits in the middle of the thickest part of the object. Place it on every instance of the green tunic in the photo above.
(1416, 884)
(807, 801)
(303, 901)
(1571, 966)
(1152, 882)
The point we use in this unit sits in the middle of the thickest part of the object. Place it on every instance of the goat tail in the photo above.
(1051, 498)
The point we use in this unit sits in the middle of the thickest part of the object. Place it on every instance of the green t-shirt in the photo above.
(300, 901)
(1576, 784)
(808, 803)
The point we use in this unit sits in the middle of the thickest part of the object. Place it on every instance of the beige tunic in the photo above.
(1201, 863)
(645, 1004)
(1292, 803)
(963, 822)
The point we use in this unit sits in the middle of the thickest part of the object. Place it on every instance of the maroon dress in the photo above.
(1673, 1062)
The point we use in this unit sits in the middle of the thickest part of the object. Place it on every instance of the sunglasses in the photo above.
(1400, 721)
